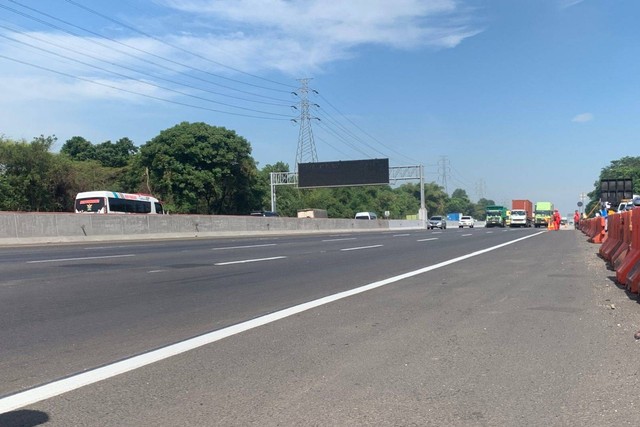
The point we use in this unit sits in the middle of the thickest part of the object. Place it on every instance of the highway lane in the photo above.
(522, 335)
(546, 340)
(68, 308)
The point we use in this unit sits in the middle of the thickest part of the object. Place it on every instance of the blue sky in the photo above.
(507, 99)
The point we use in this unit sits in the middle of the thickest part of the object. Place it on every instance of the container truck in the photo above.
(542, 214)
(521, 213)
(496, 216)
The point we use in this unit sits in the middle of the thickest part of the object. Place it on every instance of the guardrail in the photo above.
(620, 244)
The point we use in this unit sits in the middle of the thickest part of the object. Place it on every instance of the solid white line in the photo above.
(426, 240)
(56, 388)
(243, 247)
(79, 259)
(244, 261)
(361, 247)
(339, 240)
(401, 235)
(464, 235)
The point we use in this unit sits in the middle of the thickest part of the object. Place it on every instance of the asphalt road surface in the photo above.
(486, 327)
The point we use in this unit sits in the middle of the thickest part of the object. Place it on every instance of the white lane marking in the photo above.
(401, 235)
(464, 235)
(156, 271)
(244, 261)
(243, 247)
(79, 259)
(361, 247)
(426, 240)
(489, 232)
(73, 382)
(339, 240)
(90, 248)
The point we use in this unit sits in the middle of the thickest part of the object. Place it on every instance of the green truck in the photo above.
(543, 211)
(496, 216)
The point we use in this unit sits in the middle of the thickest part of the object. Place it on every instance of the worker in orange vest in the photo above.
(556, 219)
(576, 219)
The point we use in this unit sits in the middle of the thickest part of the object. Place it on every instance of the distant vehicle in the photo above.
(496, 216)
(466, 221)
(264, 213)
(312, 213)
(104, 202)
(628, 204)
(543, 212)
(437, 222)
(518, 219)
(366, 215)
(563, 220)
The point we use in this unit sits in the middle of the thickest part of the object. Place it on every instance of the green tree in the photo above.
(481, 207)
(459, 202)
(27, 171)
(198, 168)
(78, 148)
(115, 155)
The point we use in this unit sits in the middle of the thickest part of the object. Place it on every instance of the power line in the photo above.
(134, 92)
(128, 46)
(145, 82)
(177, 47)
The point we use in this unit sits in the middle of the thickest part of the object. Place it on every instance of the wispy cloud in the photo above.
(297, 35)
(583, 118)
(294, 37)
(564, 4)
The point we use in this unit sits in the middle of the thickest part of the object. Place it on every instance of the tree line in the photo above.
(196, 168)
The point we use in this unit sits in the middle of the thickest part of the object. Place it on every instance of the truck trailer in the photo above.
(496, 216)
(542, 214)
(521, 213)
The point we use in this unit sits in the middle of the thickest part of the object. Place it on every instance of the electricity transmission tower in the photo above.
(306, 152)
(444, 170)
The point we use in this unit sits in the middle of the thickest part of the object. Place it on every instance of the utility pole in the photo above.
(583, 197)
(306, 152)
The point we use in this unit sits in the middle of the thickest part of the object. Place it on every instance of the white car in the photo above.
(466, 221)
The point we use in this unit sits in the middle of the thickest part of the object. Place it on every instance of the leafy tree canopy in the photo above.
(199, 168)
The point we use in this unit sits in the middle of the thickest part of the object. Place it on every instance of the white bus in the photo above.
(113, 202)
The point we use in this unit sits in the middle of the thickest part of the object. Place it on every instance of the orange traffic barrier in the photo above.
(632, 260)
(597, 232)
(614, 237)
(619, 255)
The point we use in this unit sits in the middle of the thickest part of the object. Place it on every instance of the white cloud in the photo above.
(564, 4)
(583, 118)
(322, 31)
(294, 37)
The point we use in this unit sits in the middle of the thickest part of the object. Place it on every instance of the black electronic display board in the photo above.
(343, 173)
(614, 190)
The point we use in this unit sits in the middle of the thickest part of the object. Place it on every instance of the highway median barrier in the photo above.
(620, 245)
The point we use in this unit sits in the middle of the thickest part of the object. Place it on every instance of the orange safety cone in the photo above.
(551, 225)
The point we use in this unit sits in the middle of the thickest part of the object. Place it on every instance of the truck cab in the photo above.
(496, 216)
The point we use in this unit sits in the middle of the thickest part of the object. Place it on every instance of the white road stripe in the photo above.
(79, 259)
(56, 388)
(244, 261)
(464, 235)
(339, 240)
(401, 235)
(361, 247)
(243, 247)
(426, 240)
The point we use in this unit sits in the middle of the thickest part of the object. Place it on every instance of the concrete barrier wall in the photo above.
(20, 228)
